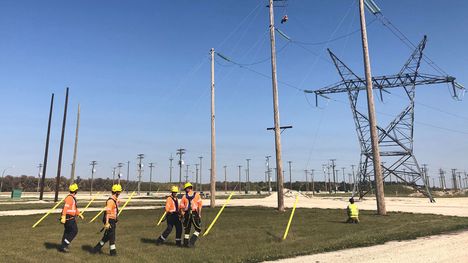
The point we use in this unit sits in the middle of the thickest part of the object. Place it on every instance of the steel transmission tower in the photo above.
(395, 140)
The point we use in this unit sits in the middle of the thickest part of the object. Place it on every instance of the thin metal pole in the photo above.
(201, 181)
(93, 164)
(279, 163)
(379, 186)
(62, 139)
(247, 186)
(39, 177)
(128, 175)
(268, 173)
(140, 170)
(290, 176)
(170, 168)
(213, 137)
(240, 182)
(46, 154)
(313, 181)
(307, 180)
(225, 179)
(72, 176)
(196, 177)
(151, 166)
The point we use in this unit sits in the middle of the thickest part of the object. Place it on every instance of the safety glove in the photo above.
(63, 219)
(107, 226)
(81, 216)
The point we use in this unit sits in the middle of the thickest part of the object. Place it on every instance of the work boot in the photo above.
(159, 241)
(186, 242)
(193, 239)
(97, 248)
(178, 243)
(113, 252)
(64, 249)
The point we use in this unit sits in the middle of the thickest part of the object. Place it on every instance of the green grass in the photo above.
(242, 234)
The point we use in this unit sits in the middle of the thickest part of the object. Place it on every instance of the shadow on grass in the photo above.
(148, 240)
(49, 245)
(274, 236)
(87, 248)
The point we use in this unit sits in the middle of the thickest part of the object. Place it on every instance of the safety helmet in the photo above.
(73, 187)
(116, 188)
(174, 189)
(188, 184)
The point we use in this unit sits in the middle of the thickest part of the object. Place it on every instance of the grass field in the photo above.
(242, 234)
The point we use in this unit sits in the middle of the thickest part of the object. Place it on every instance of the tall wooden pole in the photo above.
(46, 154)
(279, 163)
(59, 166)
(379, 187)
(213, 136)
(72, 177)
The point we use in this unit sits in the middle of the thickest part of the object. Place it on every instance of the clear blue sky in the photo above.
(140, 70)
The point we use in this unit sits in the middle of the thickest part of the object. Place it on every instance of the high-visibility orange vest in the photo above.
(112, 208)
(172, 204)
(70, 206)
(191, 200)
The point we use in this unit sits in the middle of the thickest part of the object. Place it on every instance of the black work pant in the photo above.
(109, 234)
(70, 231)
(189, 219)
(173, 221)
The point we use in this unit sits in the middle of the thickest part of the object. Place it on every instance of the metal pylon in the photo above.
(396, 139)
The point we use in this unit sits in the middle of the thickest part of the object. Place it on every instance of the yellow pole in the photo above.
(219, 213)
(94, 218)
(162, 217)
(123, 207)
(290, 218)
(50, 211)
(92, 200)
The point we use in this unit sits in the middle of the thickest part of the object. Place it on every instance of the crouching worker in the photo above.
(68, 218)
(190, 207)
(172, 217)
(353, 212)
(110, 221)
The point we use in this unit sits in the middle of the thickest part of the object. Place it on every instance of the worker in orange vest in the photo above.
(68, 218)
(109, 220)
(172, 217)
(190, 208)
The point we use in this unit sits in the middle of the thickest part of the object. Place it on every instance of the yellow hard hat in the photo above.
(116, 188)
(188, 185)
(174, 189)
(73, 187)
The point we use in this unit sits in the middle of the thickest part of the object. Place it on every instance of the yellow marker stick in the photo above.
(50, 211)
(123, 207)
(290, 218)
(219, 213)
(162, 217)
(92, 200)
(94, 218)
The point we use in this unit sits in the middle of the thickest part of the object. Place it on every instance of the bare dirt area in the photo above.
(440, 248)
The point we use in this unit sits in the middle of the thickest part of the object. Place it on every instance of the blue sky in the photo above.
(141, 72)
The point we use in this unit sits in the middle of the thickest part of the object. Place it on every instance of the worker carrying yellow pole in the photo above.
(353, 212)
(190, 208)
(109, 220)
(68, 218)
(172, 218)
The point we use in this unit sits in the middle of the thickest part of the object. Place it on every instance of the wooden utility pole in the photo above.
(379, 187)
(72, 176)
(279, 163)
(59, 167)
(46, 154)
(213, 136)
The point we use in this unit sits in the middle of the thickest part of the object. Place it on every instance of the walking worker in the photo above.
(190, 207)
(109, 220)
(68, 218)
(353, 212)
(172, 217)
